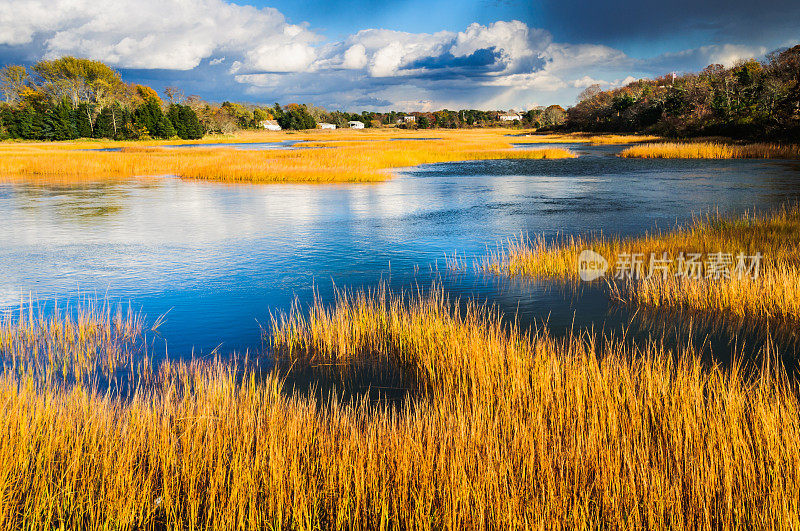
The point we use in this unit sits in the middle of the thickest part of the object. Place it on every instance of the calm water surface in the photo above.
(220, 257)
(248, 146)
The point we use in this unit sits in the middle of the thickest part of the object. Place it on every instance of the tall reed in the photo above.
(85, 341)
(772, 300)
(508, 430)
(712, 150)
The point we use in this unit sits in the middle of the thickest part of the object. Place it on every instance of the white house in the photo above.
(509, 116)
(270, 125)
(323, 125)
(355, 124)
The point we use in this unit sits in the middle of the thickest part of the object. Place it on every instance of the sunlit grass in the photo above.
(502, 430)
(575, 138)
(769, 304)
(82, 342)
(346, 156)
(712, 150)
(622, 139)
(771, 300)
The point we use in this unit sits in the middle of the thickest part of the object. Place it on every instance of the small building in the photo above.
(270, 125)
(355, 124)
(509, 116)
(323, 125)
(409, 119)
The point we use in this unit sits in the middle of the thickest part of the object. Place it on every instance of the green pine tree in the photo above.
(83, 122)
(164, 128)
(148, 115)
(60, 122)
(29, 124)
(194, 130)
(174, 115)
(104, 124)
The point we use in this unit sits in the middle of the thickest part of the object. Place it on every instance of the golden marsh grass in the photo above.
(508, 430)
(82, 343)
(344, 156)
(711, 150)
(770, 301)
(575, 138)
(767, 305)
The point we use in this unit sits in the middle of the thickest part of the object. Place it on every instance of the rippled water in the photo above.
(221, 257)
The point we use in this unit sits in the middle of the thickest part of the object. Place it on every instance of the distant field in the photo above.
(322, 156)
(590, 138)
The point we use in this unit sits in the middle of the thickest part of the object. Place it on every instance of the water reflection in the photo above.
(221, 257)
(247, 146)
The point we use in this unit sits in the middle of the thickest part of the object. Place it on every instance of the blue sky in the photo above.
(405, 55)
(338, 19)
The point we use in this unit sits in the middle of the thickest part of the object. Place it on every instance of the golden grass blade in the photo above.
(510, 431)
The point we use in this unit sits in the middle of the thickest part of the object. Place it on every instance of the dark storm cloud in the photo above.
(478, 60)
(617, 21)
(20, 54)
(212, 82)
(368, 101)
(696, 59)
(477, 65)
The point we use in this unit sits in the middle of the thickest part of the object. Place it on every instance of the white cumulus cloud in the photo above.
(387, 60)
(626, 81)
(496, 65)
(355, 58)
(164, 34)
(587, 81)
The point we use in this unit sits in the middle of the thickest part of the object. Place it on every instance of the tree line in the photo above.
(69, 98)
(231, 116)
(752, 99)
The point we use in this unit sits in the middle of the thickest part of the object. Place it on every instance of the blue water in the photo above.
(247, 146)
(220, 258)
(415, 138)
